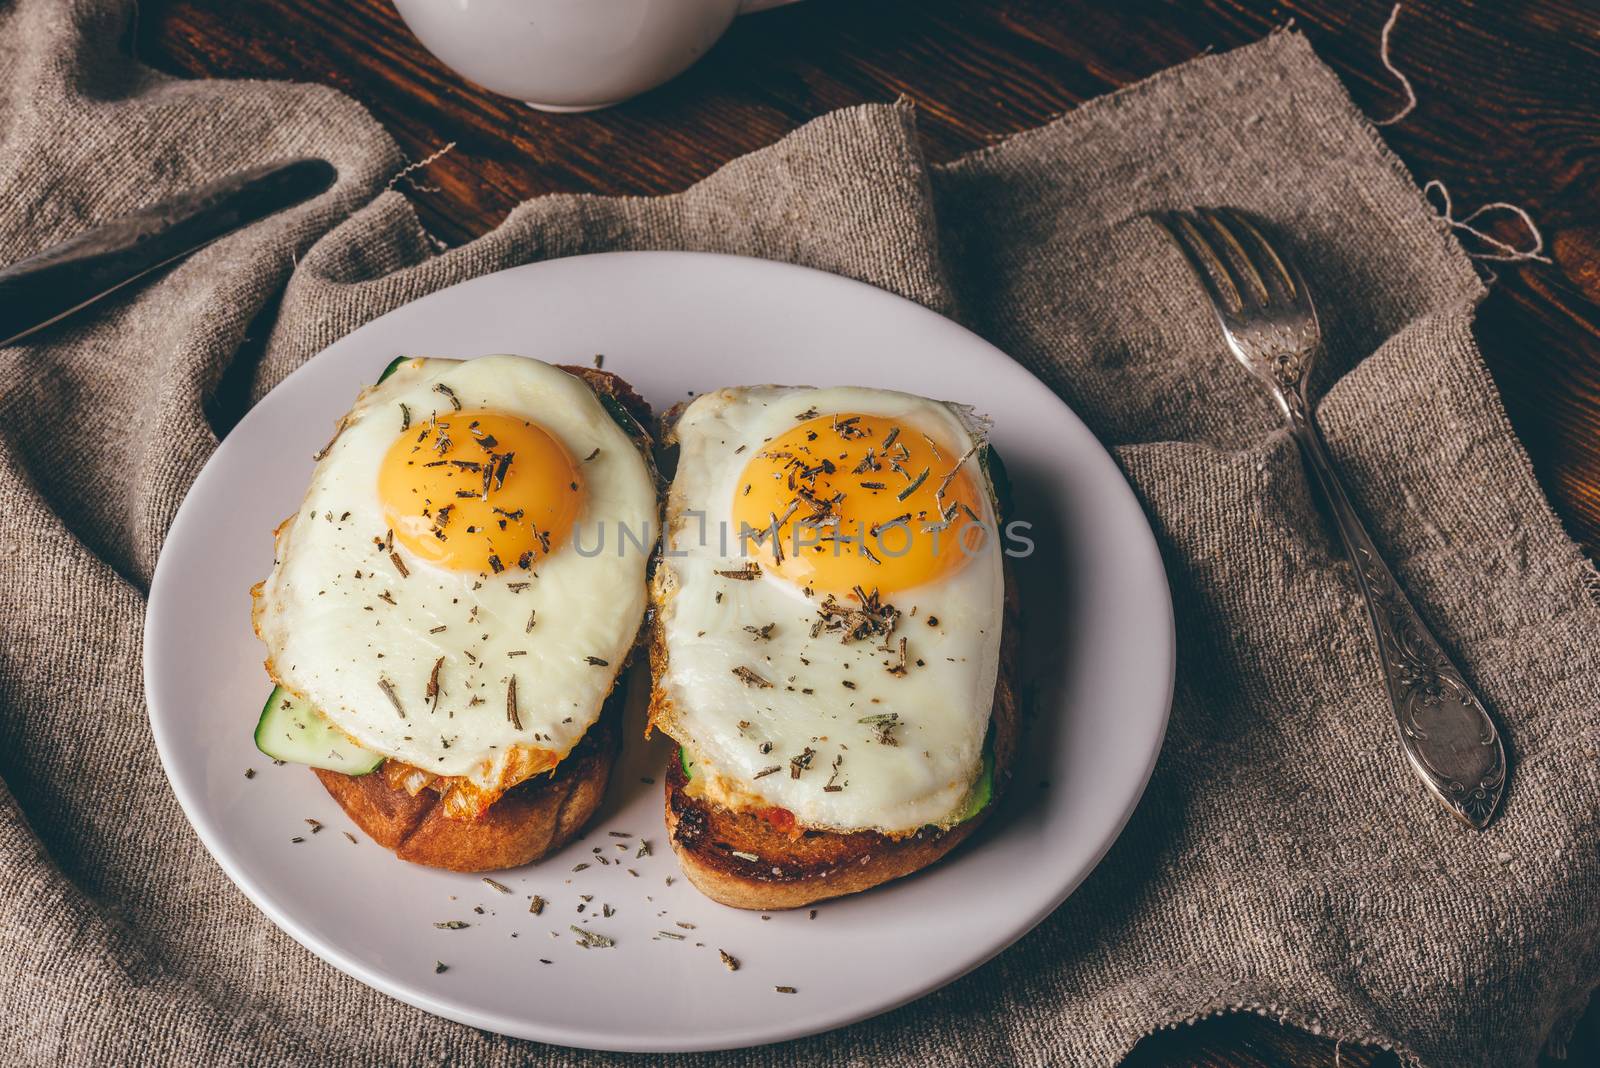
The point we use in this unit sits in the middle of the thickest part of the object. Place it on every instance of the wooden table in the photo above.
(1509, 110)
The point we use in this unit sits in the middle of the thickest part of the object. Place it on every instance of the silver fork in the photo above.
(1270, 323)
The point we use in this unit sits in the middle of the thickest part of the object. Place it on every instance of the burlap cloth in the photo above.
(1284, 860)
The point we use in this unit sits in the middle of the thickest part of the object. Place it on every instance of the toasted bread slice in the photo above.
(791, 870)
(533, 818)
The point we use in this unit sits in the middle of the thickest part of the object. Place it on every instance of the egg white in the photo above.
(332, 636)
(734, 730)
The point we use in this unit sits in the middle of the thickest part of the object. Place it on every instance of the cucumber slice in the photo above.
(621, 416)
(394, 365)
(983, 789)
(688, 765)
(293, 731)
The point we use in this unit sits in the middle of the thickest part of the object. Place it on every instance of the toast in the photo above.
(741, 859)
(795, 870)
(535, 817)
(532, 819)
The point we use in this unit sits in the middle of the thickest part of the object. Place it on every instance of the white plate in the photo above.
(1098, 648)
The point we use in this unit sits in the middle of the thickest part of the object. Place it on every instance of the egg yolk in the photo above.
(479, 491)
(859, 501)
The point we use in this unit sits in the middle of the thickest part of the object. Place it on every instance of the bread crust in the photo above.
(532, 819)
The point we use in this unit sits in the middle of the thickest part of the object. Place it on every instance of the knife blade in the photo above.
(50, 285)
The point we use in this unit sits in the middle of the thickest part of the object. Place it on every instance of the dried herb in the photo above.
(884, 726)
(912, 488)
(833, 786)
(872, 619)
(388, 691)
(322, 452)
(536, 905)
(452, 925)
(511, 703)
(847, 428)
(801, 761)
(899, 666)
(450, 394)
(499, 887)
(592, 939)
(878, 528)
(729, 961)
(748, 573)
(434, 690)
(750, 677)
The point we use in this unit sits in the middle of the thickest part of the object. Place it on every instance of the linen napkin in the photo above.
(1283, 861)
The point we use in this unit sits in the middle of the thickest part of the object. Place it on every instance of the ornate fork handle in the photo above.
(1267, 315)
(1445, 730)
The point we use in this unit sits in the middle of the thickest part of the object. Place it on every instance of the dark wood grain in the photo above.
(1509, 110)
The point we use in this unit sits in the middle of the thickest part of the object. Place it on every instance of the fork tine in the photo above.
(1203, 260)
(1223, 238)
(1278, 273)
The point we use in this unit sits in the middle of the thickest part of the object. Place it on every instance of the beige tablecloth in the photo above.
(1284, 859)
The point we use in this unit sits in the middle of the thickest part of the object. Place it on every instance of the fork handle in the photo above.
(1446, 732)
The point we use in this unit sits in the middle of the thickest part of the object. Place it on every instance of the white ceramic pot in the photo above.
(571, 55)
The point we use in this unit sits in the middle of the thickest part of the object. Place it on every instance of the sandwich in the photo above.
(834, 640)
(450, 608)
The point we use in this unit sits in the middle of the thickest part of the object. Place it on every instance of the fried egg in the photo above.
(831, 597)
(443, 595)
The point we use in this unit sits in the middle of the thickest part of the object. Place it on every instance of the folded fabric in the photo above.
(1284, 859)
